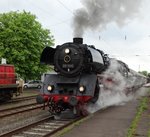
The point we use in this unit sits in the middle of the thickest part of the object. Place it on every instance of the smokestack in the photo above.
(78, 40)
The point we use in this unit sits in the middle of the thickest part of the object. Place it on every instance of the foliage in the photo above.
(149, 133)
(148, 75)
(22, 41)
(145, 73)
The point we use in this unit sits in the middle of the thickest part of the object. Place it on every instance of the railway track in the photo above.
(22, 99)
(19, 109)
(42, 128)
(16, 100)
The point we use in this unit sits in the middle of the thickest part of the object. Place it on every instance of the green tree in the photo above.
(22, 40)
(145, 73)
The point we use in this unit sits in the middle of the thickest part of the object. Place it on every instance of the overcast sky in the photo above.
(125, 37)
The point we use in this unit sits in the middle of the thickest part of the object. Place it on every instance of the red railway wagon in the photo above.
(8, 84)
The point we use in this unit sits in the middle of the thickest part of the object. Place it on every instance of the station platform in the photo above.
(110, 122)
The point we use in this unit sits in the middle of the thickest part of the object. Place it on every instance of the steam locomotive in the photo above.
(76, 81)
(79, 68)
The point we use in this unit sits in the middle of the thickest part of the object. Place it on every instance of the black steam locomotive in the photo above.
(75, 82)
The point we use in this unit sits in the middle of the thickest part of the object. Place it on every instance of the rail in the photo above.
(44, 127)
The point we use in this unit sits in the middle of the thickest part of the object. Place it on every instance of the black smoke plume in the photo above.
(96, 14)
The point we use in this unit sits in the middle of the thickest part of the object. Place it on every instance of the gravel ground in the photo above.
(21, 120)
(18, 120)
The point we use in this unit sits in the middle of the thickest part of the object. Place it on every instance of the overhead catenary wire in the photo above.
(50, 15)
(65, 7)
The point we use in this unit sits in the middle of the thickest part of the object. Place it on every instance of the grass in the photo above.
(149, 133)
(142, 107)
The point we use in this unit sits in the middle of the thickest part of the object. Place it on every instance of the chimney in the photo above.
(78, 40)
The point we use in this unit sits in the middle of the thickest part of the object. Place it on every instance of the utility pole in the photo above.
(139, 68)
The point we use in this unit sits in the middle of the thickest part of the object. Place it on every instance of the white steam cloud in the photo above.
(96, 14)
(113, 92)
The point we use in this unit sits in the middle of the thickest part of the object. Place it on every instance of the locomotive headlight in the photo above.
(50, 88)
(67, 51)
(81, 89)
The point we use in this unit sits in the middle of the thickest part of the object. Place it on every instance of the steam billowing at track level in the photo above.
(97, 14)
(117, 89)
(83, 75)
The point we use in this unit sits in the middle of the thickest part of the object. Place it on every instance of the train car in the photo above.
(8, 85)
(80, 69)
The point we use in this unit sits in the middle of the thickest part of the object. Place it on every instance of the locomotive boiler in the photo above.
(75, 82)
